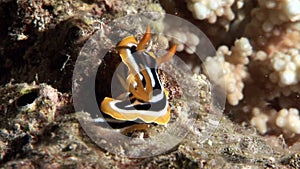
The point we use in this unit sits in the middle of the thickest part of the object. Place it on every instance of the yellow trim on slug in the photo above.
(133, 116)
(108, 110)
(139, 91)
(123, 53)
(166, 93)
(164, 119)
(127, 40)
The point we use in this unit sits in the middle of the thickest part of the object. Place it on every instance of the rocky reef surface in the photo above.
(257, 44)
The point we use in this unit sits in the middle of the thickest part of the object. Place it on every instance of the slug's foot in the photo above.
(136, 130)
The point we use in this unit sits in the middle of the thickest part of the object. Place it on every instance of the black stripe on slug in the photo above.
(149, 106)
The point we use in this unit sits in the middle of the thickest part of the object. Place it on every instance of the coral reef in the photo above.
(277, 52)
(183, 38)
(266, 83)
(258, 68)
(228, 69)
(211, 10)
(289, 120)
(48, 135)
(257, 65)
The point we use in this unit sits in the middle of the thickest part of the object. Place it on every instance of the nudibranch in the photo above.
(145, 97)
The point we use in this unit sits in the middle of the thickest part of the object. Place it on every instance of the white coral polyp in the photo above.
(213, 5)
(289, 7)
(288, 77)
(278, 64)
(292, 9)
(243, 48)
(289, 120)
(203, 9)
(259, 120)
(227, 69)
(200, 11)
(184, 39)
(215, 68)
(286, 66)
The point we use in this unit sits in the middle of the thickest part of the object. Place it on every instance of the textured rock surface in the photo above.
(40, 41)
